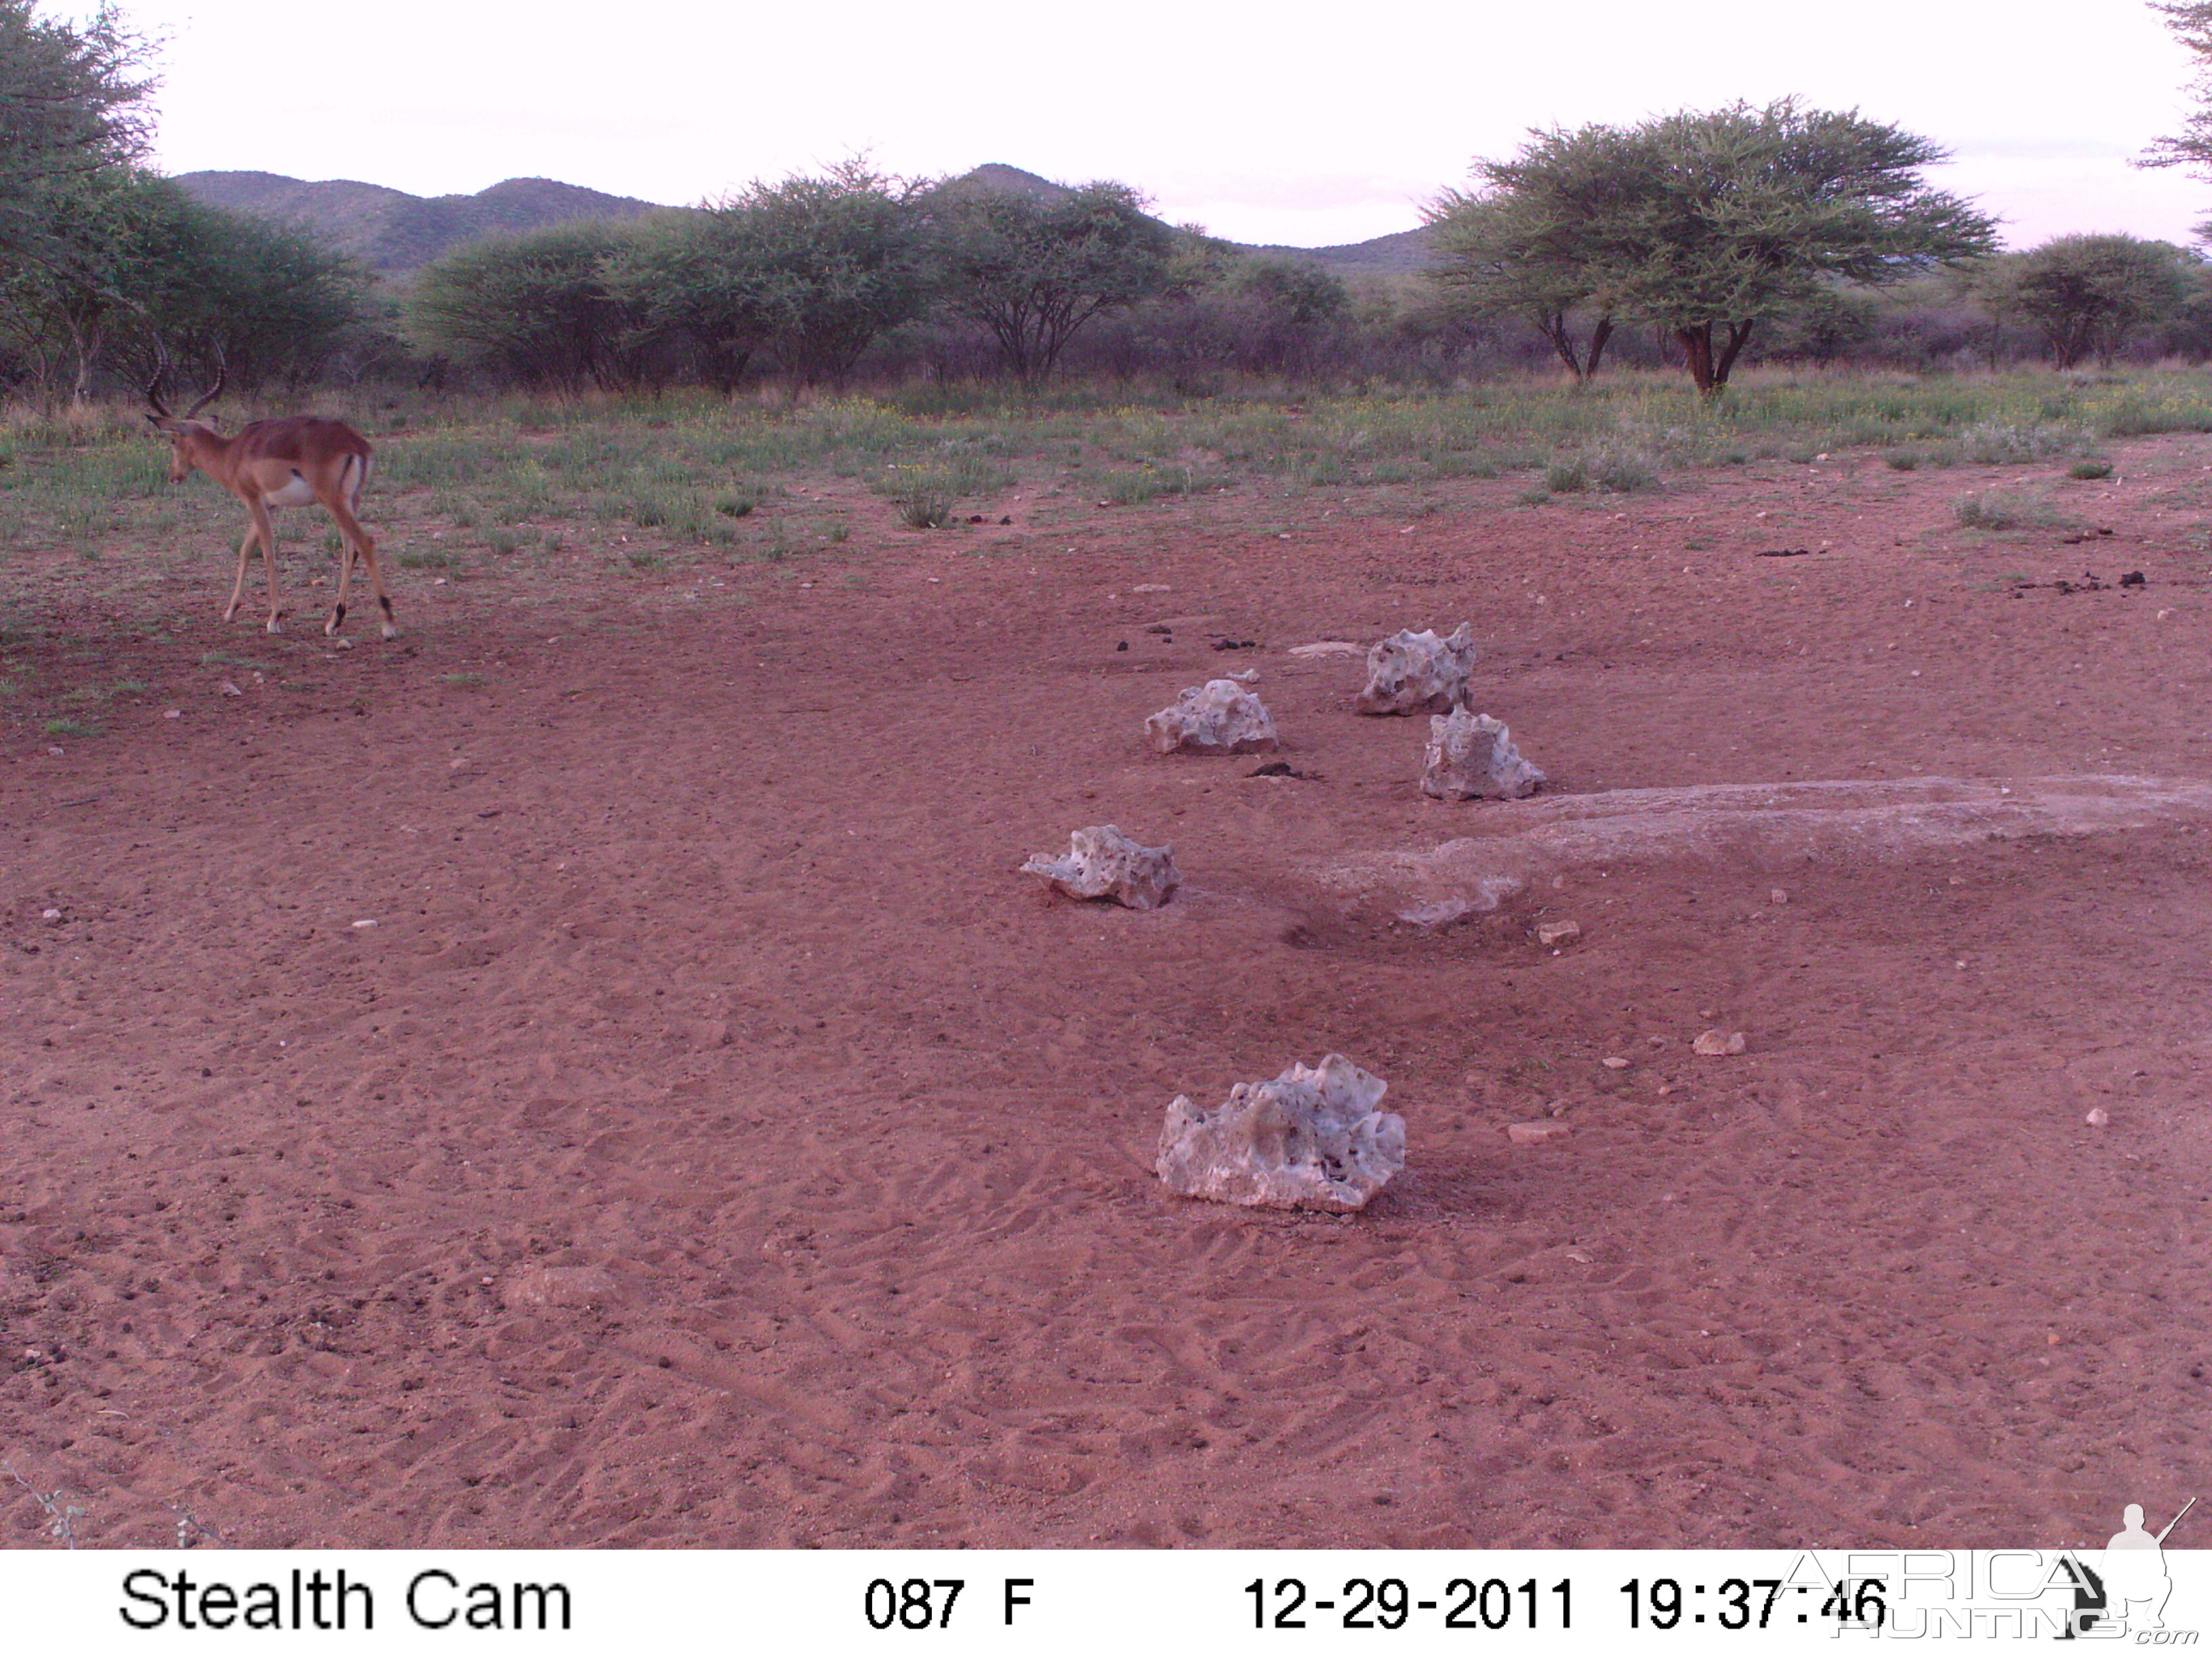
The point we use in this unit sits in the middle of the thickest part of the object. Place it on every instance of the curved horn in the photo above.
(154, 386)
(221, 374)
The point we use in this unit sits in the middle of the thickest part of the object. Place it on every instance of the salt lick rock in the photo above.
(1101, 862)
(1472, 757)
(1410, 672)
(1218, 718)
(1310, 1139)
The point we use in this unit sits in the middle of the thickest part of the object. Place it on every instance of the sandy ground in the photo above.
(714, 1142)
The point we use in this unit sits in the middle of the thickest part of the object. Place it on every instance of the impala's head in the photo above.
(186, 438)
(186, 433)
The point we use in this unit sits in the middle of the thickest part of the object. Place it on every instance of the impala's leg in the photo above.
(267, 532)
(238, 587)
(358, 540)
(345, 578)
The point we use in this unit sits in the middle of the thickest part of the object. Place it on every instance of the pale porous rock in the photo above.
(1310, 1139)
(1101, 862)
(1218, 718)
(535, 1286)
(1412, 673)
(1472, 757)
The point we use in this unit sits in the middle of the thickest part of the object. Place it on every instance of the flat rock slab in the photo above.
(1771, 826)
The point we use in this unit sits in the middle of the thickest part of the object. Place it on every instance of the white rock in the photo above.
(1472, 757)
(1326, 649)
(1716, 1042)
(1410, 672)
(2098, 1117)
(1218, 718)
(1101, 862)
(1311, 1138)
(1558, 933)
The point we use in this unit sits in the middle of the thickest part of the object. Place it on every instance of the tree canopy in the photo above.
(1702, 223)
(71, 106)
(1036, 272)
(2087, 292)
(814, 268)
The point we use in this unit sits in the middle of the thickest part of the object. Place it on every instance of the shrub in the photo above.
(1993, 509)
(2090, 470)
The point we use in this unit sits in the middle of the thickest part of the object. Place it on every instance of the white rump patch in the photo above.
(298, 493)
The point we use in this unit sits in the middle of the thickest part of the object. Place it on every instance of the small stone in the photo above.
(1472, 757)
(1218, 718)
(1247, 677)
(1778, 894)
(1717, 1042)
(532, 1285)
(2097, 1118)
(1535, 1134)
(53, 918)
(173, 714)
(229, 690)
(1616, 1063)
(365, 923)
(1101, 862)
(1310, 1139)
(1558, 933)
(1327, 649)
(1152, 587)
(1412, 673)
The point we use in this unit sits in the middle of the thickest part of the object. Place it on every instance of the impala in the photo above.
(271, 463)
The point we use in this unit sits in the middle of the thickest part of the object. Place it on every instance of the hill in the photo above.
(1396, 255)
(395, 233)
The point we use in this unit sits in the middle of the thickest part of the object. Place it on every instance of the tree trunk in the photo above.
(1599, 336)
(1553, 325)
(1738, 335)
(1697, 344)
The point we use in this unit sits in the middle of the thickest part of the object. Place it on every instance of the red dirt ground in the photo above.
(715, 1141)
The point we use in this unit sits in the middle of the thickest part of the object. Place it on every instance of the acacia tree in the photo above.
(1036, 272)
(1515, 245)
(2087, 292)
(2191, 147)
(815, 268)
(1705, 224)
(538, 307)
(70, 107)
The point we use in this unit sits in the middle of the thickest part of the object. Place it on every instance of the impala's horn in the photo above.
(221, 374)
(154, 386)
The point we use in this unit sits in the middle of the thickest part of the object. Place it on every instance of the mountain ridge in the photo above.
(395, 233)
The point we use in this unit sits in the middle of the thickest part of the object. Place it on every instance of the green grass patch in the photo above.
(1993, 509)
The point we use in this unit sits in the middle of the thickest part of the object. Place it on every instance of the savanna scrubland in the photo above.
(588, 1072)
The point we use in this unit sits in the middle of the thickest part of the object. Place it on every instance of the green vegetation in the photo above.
(1992, 509)
(465, 488)
(1702, 224)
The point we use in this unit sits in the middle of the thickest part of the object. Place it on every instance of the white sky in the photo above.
(1294, 123)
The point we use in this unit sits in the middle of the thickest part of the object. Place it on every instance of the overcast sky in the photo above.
(1293, 123)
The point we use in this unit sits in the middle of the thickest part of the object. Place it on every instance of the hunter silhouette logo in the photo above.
(2128, 1589)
